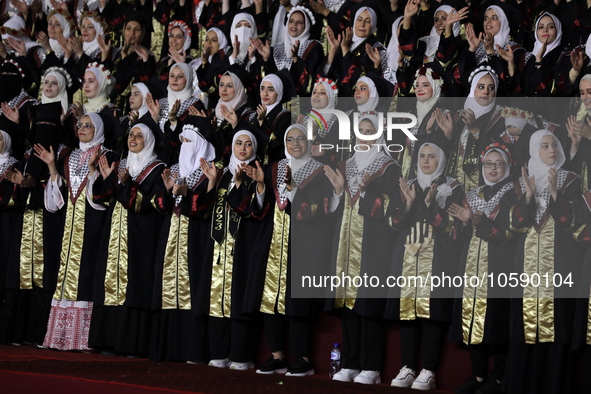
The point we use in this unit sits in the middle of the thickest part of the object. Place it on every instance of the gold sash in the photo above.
(117, 263)
(176, 286)
(31, 252)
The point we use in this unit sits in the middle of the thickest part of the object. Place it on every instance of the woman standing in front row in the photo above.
(368, 203)
(428, 246)
(85, 220)
(542, 317)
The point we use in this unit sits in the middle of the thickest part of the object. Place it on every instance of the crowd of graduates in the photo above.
(161, 184)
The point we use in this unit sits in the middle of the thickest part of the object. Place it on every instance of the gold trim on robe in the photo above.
(276, 276)
(31, 251)
(474, 302)
(220, 301)
(176, 286)
(349, 254)
(538, 303)
(117, 263)
(71, 255)
(417, 265)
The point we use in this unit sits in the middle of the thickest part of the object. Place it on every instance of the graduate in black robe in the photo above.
(370, 181)
(429, 245)
(481, 315)
(121, 316)
(542, 317)
(183, 255)
(238, 272)
(84, 225)
(296, 175)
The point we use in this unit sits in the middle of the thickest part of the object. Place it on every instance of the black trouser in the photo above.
(541, 368)
(479, 355)
(234, 339)
(299, 334)
(411, 332)
(363, 342)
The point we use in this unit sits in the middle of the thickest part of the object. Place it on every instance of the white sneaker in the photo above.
(425, 381)
(405, 378)
(220, 363)
(346, 375)
(368, 377)
(242, 366)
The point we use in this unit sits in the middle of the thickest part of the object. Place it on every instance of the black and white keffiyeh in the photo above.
(477, 203)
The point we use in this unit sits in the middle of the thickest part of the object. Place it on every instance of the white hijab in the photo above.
(424, 107)
(502, 37)
(54, 44)
(425, 181)
(18, 23)
(187, 91)
(289, 41)
(6, 148)
(536, 167)
(144, 91)
(222, 40)
(364, 158)
(101, 99)
(538, 45)
(192, 152)
(90, 47)
(507, 166)
(432, 40)
(235, 162)
(374, 21)
(62, 95)
(137, 161)
(332, 95)
(99, 132)
(471, 102)
(279, 26)
(374, 97)
(244, 33)
(235, 102)
(278, 85)
(296, 164)
(393, 54)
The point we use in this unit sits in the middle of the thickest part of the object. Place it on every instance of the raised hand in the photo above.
(236, 47)
(489, 43)
(255, 173)
(174, 110)
(168, 179)
(553, 183)
(133, 116)
(336, 179)
(468, 117)
(319, 7)
(288, 178)
(17, 45)
(374, 55)
(294, 51)
(10, 112)
(48, 157)
(153, 107)
(347, 40)
(177, 56)
(454, 16)
(105, 168)
(460, 212)
(230, 115)
(334, 42)
(208, 169)
(477, 218)
(576, 59)
(542, 50)
(142, 52)
(263, 49)
(261, 113)
(76, 44)
(65, 45)
(43, 40)
(506, 54)
(93, 161)
(409, 193)
(104, 46)
(430, 197)
(180, 190)
(123, 175)
(364, 182)
(77, 110)
(530, 185)
(473, 41)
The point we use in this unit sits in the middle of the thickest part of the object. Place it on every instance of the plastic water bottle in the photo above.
(335, 360)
